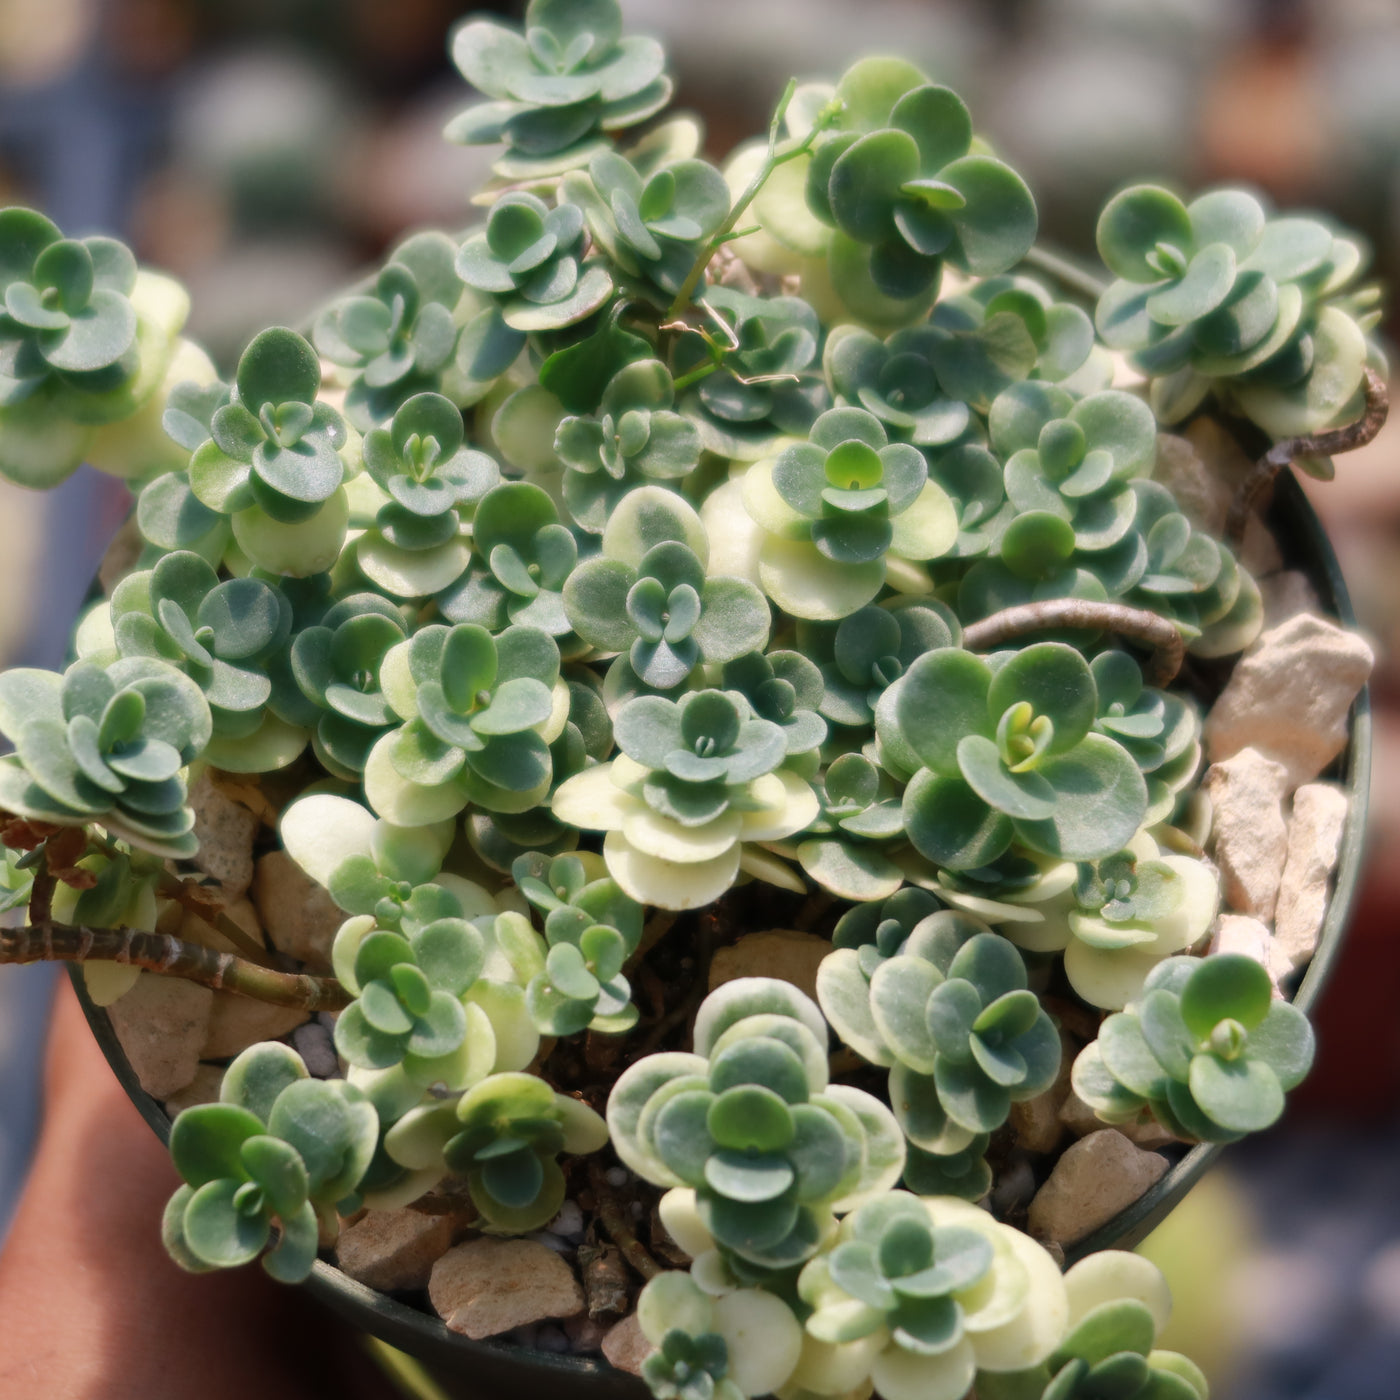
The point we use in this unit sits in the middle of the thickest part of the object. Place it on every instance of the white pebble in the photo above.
(568, 1222)
(617, 1176)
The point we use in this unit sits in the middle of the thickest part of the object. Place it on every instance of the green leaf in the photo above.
(951, 825)
(866, 181)
(1101, 799)
(206, 1141)
(1283, 1040)
(1133, 223)
(218, 1232)
(277, 367)
(1025, 795)
(1242, 1095)
(942, 698)
(993, 231)
(1057, 683)
(1226, 985)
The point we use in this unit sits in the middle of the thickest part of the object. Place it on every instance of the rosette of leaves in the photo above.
(1008, 755)
(895, 1274)
(273, 462)
(505, 1138)
(742, 1343)
(66, 317)
(696, 779)
(1218, 293)
(398, 334)
(751, 1125)
(1162, 731)
(474, 707)
(557, 89)
(1005, 329)
(1078, 471)
(336, 666)
(663, 612)
(952, 1016)
(897, 380)
(522, 558)
(786, 688)
(651, 226)
(105, 746)
(870, 650)
(767, 383)
(1191, 577)
(965, 1174)
(279, 1150)
(898, 178)
(433, 483)
(877, 929)
(408, 986)
(218, 634)
(845, 848)
(1114, 919)
(972, 477)
(1118, 1305)
(530, 258)
(591, 929)
(1207, 1050)
(634, 438)
(835, 507)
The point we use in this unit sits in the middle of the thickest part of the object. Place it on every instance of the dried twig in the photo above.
(160, 952)
(1285, 453)
(612, 1216)
(1151, 629)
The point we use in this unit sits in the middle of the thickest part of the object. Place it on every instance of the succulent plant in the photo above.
(398, 335)
(835, 506)
(105, 746)
(591, 929)
(785, 688)
(278, 1149)
(661, 610)
(951, 1014)
(650, 226)
(432, 483)
(751, 1125)
(509, 1131)
(860, 815)
(898, 178)
(1217, 292)
(695, 780)
(1118, 1304)
(558, 88)
(531, 257)
(273, 459)
(522, 558)
(742, 1343)
(634, 438)
(766, 381)
(1009, 755)
(219, 634)
(1206, 1049)
(476, 712)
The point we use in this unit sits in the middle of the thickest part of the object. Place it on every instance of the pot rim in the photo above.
(1305, 545)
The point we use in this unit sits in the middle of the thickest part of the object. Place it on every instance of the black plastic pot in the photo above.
(485, 1369)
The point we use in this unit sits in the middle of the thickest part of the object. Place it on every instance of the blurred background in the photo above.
(265, 150)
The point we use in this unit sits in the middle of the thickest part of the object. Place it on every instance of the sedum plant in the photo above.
(671, 554)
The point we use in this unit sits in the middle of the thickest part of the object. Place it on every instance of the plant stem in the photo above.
(725, 232)
(613, 1218)
(1326, 444)
(160, 952)
(1062, 269)
(1151, 629)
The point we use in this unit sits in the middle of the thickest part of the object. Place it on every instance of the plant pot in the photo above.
(484, 1369)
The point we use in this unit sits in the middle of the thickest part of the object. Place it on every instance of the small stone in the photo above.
(783, 953)
(1095, 1178)
(236, 1022)
(162, 1023)
(226, 832)
(1238, 933)
(1036, 1122)
(487, 1286)
(1290, 696)
(1081, 1120)
(585, 1333)
(569, 1221)
(312, 1041)
(625, 1347)
(1314, 841)
(203, 1088)
(1250, 833)
(301, 919)
(1286, 594)
(391, 1250)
